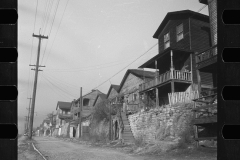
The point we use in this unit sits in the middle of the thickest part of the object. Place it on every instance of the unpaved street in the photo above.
(55, 149)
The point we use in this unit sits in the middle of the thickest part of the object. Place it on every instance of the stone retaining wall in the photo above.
(162, 124)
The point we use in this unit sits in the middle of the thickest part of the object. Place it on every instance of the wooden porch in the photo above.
(206, 57)
(181, 76)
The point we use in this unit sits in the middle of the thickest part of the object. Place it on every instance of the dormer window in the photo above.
(166, 40)
(179, 31)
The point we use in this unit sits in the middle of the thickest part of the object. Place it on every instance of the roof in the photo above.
(138, 73)
(116, 87)
(94, 90)
(64, 105)
(163, 53)
(203, 1)
(102, 96)
(178, 15)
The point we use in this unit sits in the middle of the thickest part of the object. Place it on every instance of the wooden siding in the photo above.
(200, 35)
(206, 79)
(113, 93)
(171, 27)
(130, 83)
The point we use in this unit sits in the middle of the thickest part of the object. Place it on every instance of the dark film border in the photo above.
(8, 74)
(228, 74)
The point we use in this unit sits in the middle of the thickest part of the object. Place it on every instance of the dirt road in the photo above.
(55, 149)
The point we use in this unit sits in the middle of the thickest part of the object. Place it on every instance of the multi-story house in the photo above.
(206, 106)
(180, 35)
(128, 100)
(87, 108)
(63, 115)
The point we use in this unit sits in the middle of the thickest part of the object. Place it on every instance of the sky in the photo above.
(88, 42)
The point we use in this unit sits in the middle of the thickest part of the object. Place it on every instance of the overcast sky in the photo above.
(87, 44)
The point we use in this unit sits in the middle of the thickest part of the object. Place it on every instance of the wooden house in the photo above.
(180, 35)
(87, 108)
(128, 102)
(63, 115)
(205, 107)
(100, 98)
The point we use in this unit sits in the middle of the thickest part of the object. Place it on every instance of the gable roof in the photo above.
(94, 90)
(102, 96)
(64, 105)
(138, 73)
(178, 15)
(203, 1)
(116, 87)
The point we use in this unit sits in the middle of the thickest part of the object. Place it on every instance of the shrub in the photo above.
(139, 141)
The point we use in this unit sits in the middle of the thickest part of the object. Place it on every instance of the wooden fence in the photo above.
(180, 97)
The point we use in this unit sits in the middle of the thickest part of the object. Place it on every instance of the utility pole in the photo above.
(40, 37)
(80, 113)
(26, 123)
(29, 113)
(110, 120)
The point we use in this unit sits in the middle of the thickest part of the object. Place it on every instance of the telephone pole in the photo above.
(40, 37)
(80, 113)
(28, 113)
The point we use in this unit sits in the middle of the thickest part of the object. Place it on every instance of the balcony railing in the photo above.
(169, 75)
(206, 55)
(65, 116)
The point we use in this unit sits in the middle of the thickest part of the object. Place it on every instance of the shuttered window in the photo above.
(166, 40)
(179, 31)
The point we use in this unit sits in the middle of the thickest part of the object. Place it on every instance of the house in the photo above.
(46, 127)
(180, 35)
(87, 108)
(100, 98)
(63, 116)
(206, 67)
(127, 101)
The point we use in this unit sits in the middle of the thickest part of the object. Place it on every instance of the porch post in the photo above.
(199, 81)
(171, 70)
(157, 100)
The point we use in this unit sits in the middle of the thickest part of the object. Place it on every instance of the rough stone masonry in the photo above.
(166, 123)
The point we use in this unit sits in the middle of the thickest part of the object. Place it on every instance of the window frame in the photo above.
(166, 41)
(179, 33)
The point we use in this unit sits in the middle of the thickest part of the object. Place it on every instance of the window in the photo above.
(86, 102)
(179, 32)
(166, 40)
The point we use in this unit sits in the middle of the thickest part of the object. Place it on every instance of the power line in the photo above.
(127, 66)
(82, 70)
(61, 82)
(139, 56)
(57, 87)
(48, 15)
(57, 30)
(129, 58)
(54, 17)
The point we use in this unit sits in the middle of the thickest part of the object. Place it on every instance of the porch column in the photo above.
(171, 70)
(156, 76)
(199, 81)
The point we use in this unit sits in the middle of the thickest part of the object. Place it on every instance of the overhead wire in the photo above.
(55, 11)
(138, 57)
(57, 31)
(58, 87)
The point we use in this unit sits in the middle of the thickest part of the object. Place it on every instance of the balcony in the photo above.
(207, 57)
(65, 116)
(184, 76)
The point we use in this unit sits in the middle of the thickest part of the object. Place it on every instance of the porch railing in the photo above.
(206, 55)
(169, 75)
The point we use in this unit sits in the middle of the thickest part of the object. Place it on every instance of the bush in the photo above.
(139, 142)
